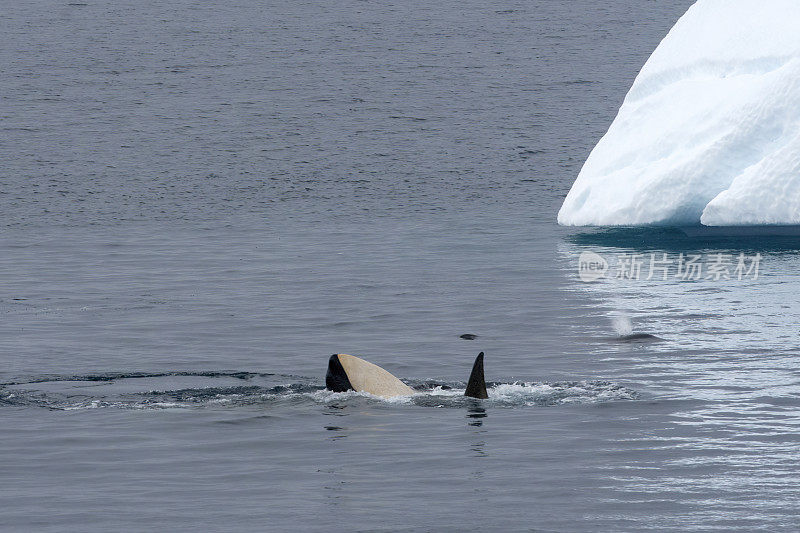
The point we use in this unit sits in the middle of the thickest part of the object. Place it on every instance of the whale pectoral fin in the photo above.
(476, 386)
(348, 372)
(336, 378)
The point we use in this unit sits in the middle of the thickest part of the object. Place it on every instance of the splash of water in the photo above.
(621, 323)
(174, 390)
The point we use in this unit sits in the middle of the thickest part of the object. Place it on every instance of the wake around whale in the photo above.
(347, 372)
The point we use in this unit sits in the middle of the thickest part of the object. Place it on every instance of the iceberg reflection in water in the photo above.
(724, 385)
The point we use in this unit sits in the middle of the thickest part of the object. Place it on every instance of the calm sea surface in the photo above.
(201, 201)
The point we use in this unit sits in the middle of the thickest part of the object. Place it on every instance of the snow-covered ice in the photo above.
(709, 133)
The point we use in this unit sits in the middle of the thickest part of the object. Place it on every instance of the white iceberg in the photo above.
(710, 131)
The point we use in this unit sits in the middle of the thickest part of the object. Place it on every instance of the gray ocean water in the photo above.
(201, 201)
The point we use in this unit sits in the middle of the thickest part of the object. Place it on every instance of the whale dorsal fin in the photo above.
(476, 386)
(347, 372)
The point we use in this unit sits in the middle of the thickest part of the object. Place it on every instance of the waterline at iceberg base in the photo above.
(709, 133)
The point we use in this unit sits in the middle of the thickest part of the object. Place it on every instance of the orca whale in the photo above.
(347, 372)
(638, 337)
